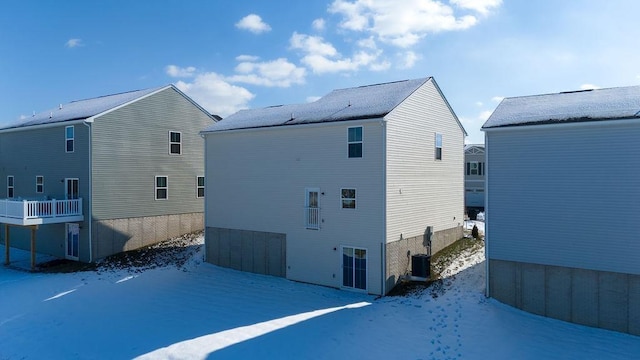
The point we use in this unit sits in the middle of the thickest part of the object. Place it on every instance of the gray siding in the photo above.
(28, 153)
(130, 147)
(474, 184)
(565, 196)
(256, 181)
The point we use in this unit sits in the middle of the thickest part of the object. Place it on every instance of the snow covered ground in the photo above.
(198, 311)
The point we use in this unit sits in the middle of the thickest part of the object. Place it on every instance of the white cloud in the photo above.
(479, 103)
(247, 58)
(212, 92)
(71, 43)
(313, 98)
(497, 99)
(404, 26)
(369, 43)
(407, 59)
(278, 73)
(253, 23)
(481, 6)
(176, 71)
(312, 45)
(318, 24)
(589, 87)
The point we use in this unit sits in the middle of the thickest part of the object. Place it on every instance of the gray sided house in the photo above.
(562, 199)
(339, 192)
(95, 177)
(474, 170)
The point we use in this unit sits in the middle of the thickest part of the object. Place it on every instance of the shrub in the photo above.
(475, 233)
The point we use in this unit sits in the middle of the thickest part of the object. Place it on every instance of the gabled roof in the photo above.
(474, 149)
(364, 102)
(83, 109)
(566, 107)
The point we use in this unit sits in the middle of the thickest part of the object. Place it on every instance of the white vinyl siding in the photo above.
(422, 192)
(579, 187)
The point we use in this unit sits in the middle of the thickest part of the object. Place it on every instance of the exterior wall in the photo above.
(602, 299)
(421, 191)
(253, 251)
(130, 147)
(262, 189)
(27, 153)
(565, 196)
(474, 184)
(117, 235)
(399, 252)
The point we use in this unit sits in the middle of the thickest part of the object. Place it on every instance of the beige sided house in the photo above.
(99, 176)
(339, 192)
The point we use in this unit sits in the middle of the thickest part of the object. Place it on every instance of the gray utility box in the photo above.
(421, 265)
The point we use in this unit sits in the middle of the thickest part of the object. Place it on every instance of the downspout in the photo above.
(206, 177)
(486, 214)
(88, 123)
(384, 207)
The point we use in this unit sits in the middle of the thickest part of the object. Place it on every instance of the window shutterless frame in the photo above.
(348, 198)
(69, 137)
(10, 186)
(175, 143)
(199, 186)
(438, 141)
(354, 141)
(161, 187)
(39, 184)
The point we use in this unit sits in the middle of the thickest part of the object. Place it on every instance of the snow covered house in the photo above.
(474, 177)
(100, 176)
(562, 196)
(339, 192)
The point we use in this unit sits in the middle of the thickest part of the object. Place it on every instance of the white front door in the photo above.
(71, 188)
(72, 242)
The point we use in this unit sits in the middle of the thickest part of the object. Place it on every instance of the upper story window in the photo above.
(10, 186)
(69, 137)
(348, 198)
(200, 186)
(475, 168)
(39, 184)
(355, 142)
(438, 146)
(162, 187)
(175, 142)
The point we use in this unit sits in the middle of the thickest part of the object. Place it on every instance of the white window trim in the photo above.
(307, 223)
(361, 142)
(355, 199)
(349, 288)
(172, 142)
(73, 139)
(198, 187)
(12, 187)
(436, 147)
(155, 187)
(41, 184)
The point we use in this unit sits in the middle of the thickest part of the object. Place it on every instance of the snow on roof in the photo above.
(82, 109)
(362, 102)
(564, 107)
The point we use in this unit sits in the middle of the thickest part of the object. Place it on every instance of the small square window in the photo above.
(354, 140)
(39, 184)
(69, 135)
(175, 143)
(200, 186)
(162, 188)
(438, 146)
(348, 198)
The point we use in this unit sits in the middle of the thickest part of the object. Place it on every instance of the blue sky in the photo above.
(229, 55)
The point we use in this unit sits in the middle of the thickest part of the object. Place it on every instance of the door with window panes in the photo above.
(354, 268)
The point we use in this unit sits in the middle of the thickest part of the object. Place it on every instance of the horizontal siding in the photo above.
(256, 181)
(422, 191)
(565, 196)
(130, 147)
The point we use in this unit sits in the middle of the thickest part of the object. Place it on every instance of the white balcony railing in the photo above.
(312, 217)
(40, 211)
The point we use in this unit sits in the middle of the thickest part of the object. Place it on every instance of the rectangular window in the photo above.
(10, 186)
(69, 137)
(472, 168)
(355, 142)
(175, 143)
(200, 186)
(438, 146)
(312, 208)
(348, 198)
(162, 188)
(39, 184)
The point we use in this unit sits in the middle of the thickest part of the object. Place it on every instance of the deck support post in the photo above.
(7, 244)
(33, 246)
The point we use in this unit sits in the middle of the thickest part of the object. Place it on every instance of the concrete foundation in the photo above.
(399, 252)
(594, 298)
(253, 251)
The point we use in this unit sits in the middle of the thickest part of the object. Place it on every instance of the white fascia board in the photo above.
(43, 126)
(561, 125)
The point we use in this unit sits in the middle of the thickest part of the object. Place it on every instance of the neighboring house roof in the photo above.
(83, 109)
(474, 149)
(364, 102)
(567, 107)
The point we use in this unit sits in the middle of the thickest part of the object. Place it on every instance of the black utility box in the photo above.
(421, 265)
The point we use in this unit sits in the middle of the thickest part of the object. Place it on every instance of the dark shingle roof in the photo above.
(82, 109)
(362, 102)
(566, 107)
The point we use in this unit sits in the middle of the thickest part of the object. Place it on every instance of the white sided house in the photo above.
(99, 176)
(562, 199)
(339, 192)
